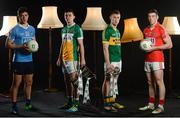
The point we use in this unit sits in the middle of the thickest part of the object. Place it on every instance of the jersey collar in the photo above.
(24, 27)
(157, 24)
(70, 25)
(115, 28)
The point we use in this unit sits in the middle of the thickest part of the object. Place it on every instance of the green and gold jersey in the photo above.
(111, 36)
(70, 48)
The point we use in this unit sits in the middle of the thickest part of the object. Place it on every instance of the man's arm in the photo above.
(10, 44)
(167, 43)
(106, 53)
(58, 63)
(106, 56)
(82, 53)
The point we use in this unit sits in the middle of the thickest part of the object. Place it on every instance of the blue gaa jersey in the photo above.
(20, 35)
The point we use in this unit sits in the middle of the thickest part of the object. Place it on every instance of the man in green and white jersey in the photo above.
(70, 56)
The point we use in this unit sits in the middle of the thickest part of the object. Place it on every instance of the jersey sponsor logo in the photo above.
(26, 36)
(114, 41)
(67, 36)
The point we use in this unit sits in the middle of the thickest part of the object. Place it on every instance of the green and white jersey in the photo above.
(111, 36)
(70, 48)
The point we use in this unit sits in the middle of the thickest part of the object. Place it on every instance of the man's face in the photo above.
(69, 17)
(115, 19)
(152, 17)
(23, 18)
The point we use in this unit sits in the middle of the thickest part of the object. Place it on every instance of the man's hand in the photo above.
(58, 62)
(151, 49)
(82, 63)
(109, 67)
(25, 47)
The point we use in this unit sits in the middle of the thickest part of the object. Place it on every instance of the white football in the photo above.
(145, 44)
(33, 45)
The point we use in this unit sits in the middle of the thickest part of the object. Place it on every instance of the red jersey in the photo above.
(156, 35)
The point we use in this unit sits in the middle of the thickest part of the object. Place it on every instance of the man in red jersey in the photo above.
(154, 61)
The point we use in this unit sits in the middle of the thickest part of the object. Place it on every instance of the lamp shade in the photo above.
(8, 23)
(171, 24)
(132, 32)
(94, 19)
(49, 18)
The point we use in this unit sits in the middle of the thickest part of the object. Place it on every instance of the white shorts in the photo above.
(115, 64)
(152, 66)
(70, 66)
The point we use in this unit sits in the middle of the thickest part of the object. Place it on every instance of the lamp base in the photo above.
(172, 95)
(5, 95)
(51, 90)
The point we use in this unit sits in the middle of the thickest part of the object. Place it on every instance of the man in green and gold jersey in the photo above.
(113, 62)
(71, 58)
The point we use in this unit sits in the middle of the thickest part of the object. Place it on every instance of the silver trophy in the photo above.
(87, 73)
(112, 72)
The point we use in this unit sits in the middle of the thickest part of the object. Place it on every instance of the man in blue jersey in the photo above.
(22, 58)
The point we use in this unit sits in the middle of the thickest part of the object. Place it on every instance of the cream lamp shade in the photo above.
(94, 19)
(171, 24)
(8, 23)
(132, 32)
(49, 18)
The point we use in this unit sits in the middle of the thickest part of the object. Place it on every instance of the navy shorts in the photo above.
(22, 68)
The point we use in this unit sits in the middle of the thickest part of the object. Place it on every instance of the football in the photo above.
(145, 44)
(33, 45)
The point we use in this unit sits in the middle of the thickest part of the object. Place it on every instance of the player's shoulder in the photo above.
(161, 27)
(31, 27)
(108, 28)
(146, 28)
(77, 27)
(64, 29)
(15, 29)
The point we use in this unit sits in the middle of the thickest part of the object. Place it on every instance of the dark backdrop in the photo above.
(132, 76)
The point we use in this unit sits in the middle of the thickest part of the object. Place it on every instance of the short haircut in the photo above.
(69, 10)
(21, 10)
(153, 11)
(115, 12)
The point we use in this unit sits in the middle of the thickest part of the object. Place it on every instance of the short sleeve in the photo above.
(163, 32)
(105, 36)
(12, 34)
(33, 32)
(79, 33)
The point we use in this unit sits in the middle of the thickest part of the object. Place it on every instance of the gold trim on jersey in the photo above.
(106, 42)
